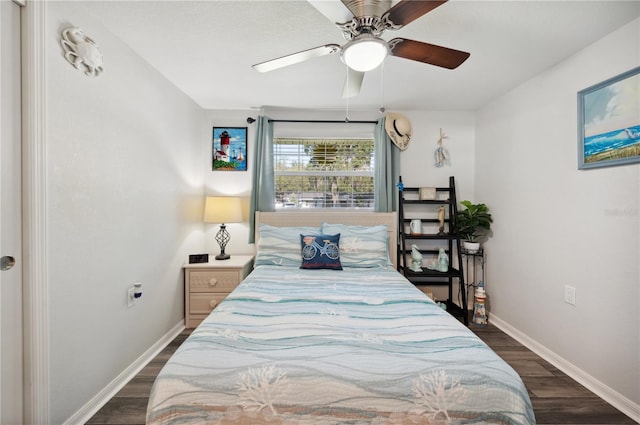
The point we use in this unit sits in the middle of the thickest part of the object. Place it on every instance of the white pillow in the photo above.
(280, 246)
(361, 246)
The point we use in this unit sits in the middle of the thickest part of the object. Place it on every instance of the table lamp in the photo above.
(222, 209)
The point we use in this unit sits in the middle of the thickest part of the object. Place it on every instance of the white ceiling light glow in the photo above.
(364, 53)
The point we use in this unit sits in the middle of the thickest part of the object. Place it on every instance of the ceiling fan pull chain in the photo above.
(382, 108)
(346, 118)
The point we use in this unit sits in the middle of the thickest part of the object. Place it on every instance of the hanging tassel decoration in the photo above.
(441, 153)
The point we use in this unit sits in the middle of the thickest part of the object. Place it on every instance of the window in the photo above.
(323, 173)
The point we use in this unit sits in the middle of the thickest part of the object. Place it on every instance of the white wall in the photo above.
(556, 225)
(417, 163)
(124, 201)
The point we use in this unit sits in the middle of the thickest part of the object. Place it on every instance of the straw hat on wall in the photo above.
(398, 128)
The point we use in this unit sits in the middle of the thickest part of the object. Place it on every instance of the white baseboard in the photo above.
(617, 400)
(91, 408)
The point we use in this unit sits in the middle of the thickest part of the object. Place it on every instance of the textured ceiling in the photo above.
(206, 48)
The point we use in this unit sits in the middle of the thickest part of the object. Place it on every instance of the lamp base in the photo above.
(222, 237)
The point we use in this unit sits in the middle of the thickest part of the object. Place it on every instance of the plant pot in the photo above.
(471, 247)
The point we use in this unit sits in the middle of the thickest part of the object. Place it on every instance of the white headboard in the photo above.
(315, 218)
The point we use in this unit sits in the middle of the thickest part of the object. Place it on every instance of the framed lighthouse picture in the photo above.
(229, 152)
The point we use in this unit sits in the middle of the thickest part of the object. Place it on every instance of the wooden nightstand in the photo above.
(207, 284)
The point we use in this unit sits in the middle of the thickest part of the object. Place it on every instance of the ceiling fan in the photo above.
(362, 22)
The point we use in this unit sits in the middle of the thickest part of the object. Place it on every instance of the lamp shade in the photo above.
(364, 53)
(222, 209)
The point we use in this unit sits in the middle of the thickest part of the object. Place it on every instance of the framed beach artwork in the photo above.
(229, 149)
(609, 122)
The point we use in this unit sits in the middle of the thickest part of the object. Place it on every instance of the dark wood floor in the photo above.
(556, 398)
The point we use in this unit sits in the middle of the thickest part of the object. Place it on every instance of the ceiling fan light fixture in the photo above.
(364, 53)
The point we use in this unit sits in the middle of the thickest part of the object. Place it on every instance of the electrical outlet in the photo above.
(131, 299)
(569, 294)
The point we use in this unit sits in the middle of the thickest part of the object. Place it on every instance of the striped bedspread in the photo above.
(358, 346)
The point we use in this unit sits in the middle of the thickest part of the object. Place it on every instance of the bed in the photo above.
(359, 345)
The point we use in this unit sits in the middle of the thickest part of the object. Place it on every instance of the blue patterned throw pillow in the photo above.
(320, 252)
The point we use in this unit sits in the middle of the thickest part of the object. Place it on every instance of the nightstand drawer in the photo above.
(194, 320)
(203, 303)
(213, 281)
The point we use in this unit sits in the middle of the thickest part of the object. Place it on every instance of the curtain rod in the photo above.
(328, 121)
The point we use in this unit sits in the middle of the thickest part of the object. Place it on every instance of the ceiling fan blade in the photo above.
(427, 53)
(408, 11)
(294, 58)
(352, 83)
(334, 10)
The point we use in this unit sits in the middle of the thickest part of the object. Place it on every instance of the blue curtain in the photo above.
(263, 180)
(387, 170)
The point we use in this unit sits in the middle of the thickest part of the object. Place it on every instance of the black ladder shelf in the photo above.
(430, 242)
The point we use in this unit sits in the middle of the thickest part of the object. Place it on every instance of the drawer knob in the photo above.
(212, 303)
(213, 281)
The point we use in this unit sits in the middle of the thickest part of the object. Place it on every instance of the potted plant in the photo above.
(472, 223)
